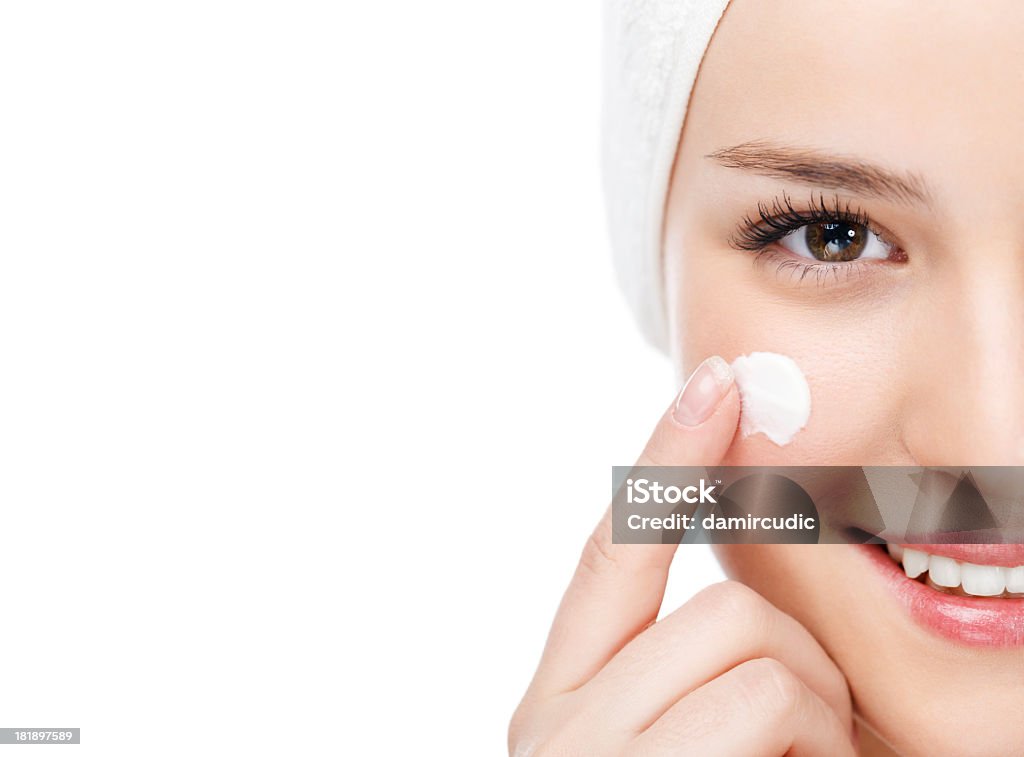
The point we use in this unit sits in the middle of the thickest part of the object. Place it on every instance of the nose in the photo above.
(965, 381)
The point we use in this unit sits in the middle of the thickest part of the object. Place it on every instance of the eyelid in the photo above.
(781, 217)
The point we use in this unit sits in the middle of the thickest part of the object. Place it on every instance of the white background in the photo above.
(312, 368)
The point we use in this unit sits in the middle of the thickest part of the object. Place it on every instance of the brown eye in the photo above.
(838, 241)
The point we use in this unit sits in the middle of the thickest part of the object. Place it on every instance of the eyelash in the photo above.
(782, 218)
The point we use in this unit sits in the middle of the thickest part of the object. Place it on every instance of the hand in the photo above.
(725, 674)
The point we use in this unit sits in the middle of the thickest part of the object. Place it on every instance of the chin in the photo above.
(933, 668)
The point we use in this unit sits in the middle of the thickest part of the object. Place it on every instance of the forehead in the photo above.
(937, 88)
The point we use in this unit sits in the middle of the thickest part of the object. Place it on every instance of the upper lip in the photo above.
(1005, 555)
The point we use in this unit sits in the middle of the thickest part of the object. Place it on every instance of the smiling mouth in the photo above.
(957, 591)
(957, 577)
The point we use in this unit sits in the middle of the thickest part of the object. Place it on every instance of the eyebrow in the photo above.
(810, 166)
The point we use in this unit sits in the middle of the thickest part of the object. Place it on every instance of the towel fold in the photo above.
(652, 51)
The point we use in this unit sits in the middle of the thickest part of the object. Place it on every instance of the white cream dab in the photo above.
(774, 395)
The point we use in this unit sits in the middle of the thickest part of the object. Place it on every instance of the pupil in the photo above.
(838, 236)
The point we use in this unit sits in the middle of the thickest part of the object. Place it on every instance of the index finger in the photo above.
(617, 589)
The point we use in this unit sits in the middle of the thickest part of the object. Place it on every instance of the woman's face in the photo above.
(914, 348)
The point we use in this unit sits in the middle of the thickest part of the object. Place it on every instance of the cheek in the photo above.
(849, 362)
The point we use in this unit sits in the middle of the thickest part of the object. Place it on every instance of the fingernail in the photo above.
(703, 391)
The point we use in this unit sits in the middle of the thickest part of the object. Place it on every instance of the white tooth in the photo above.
(944, 571)
(1014, 579)
(914, 563)
(982, 580)
(895, 552)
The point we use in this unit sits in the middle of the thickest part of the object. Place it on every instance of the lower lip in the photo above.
(975, 621)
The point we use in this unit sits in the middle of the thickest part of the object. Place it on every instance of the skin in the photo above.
(613, 681)
(927, 351)
(804, 646)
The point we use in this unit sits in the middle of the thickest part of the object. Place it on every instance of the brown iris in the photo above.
(837, 241)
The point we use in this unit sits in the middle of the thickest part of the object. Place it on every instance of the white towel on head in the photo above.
(652, 50)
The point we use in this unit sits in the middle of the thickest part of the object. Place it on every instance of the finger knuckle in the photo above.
(559, 743)
(774, 690)
(598, 556)
(656, 451)
(736, 604)
(545, 728)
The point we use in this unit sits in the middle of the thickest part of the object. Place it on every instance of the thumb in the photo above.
(617, 589)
